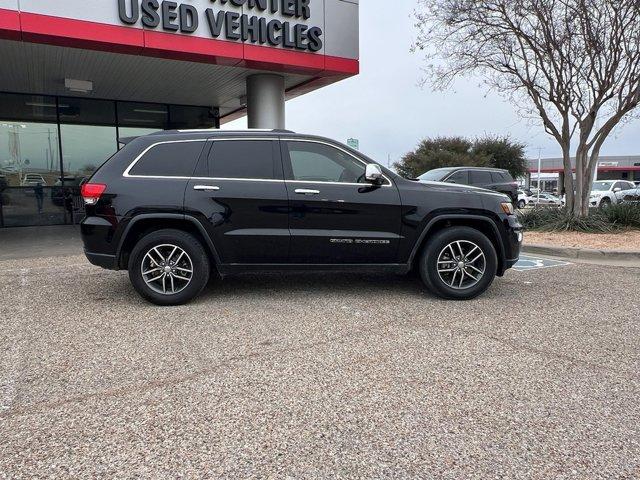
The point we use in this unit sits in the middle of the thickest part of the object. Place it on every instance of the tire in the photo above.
(155, 253)
(522, 204)
(605, 203)
(473, 242)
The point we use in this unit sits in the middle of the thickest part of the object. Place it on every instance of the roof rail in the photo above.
(217, 130)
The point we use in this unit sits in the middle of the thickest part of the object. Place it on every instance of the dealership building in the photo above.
(79, 74)
(551, 171)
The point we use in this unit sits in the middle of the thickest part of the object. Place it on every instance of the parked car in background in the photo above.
(630, 196)
(546, 199)
(33, 180)
(489, 178)
(177, 206)
(524, 199)
(608, 192)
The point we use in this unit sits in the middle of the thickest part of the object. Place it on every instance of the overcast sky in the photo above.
(386, 109)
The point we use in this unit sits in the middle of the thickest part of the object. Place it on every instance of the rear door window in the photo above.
(480, 177)
(169, 159)
(243, 159)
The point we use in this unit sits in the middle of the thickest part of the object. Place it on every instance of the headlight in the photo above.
(507, 207)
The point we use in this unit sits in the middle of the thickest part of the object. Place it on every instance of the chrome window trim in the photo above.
(126, 173)
(321, 142)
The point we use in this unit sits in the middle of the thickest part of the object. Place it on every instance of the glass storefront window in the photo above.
(85, 148)
(143, 115)
(87, 111)
(29, 170)
(29, 152)
(183, 117)
(124, 132)
(36, 108)
(33, 191)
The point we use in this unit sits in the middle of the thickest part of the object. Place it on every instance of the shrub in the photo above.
(624, 214)
(559, 220)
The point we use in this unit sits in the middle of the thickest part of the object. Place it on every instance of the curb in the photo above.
(581, 253)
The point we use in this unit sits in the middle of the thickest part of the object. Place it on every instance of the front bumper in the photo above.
(513, 244)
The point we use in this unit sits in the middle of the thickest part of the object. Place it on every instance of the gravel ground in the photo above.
(627, 241)
(319, 376)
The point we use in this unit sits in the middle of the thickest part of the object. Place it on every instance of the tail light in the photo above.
(91, 192)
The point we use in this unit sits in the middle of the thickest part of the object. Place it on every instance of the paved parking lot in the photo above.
(307, 376)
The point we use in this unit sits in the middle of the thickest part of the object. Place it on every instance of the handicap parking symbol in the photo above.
(527, 263)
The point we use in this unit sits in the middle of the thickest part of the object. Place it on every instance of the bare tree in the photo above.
(575, 64)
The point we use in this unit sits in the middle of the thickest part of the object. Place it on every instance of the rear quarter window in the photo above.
(174, 159)
(479, 177)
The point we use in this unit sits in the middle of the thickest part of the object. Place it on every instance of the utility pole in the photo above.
(539, 173)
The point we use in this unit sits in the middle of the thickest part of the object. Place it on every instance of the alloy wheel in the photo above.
(461, 264)
(167, 269)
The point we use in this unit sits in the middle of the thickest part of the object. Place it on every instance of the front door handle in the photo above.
(206, 188)
(304, 191)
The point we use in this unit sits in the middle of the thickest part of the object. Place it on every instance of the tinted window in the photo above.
(436, 175)
(28, 107)
(461, 177)
(87, 111)
(317, 162)
(143, 115)
(242, 159)
(191, 117)
(169, 160)
(480, 177)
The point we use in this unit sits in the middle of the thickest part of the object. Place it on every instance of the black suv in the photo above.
(489, 178)
(174, 206)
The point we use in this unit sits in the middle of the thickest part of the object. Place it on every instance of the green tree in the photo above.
(503, 153)
(440, 152)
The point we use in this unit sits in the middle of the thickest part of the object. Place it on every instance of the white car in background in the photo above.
(33, 179)
(631, 196)
(546, 199)
(523, 199)
(608, 192)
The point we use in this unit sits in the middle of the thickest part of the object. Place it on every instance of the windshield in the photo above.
(601, 186)
(435, 175)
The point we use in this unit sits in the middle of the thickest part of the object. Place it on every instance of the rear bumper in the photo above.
(102, 260)
(98, 238)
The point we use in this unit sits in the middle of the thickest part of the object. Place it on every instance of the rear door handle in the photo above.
(304, 191)
(206, 188)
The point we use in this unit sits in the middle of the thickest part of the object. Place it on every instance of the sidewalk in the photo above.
(33, 242)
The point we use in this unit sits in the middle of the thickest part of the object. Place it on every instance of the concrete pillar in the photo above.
(265, 101)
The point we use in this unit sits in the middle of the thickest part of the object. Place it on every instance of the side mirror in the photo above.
(373, 174)
(617, 189)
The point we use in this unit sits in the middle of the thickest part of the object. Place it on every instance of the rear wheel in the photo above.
(458, 263)
(169, 267)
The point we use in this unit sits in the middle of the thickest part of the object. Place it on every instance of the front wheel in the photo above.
(459, 263)
(605, 203)
(522, 204)
(169, 267)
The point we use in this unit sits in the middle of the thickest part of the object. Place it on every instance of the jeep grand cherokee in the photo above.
(175, 206)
